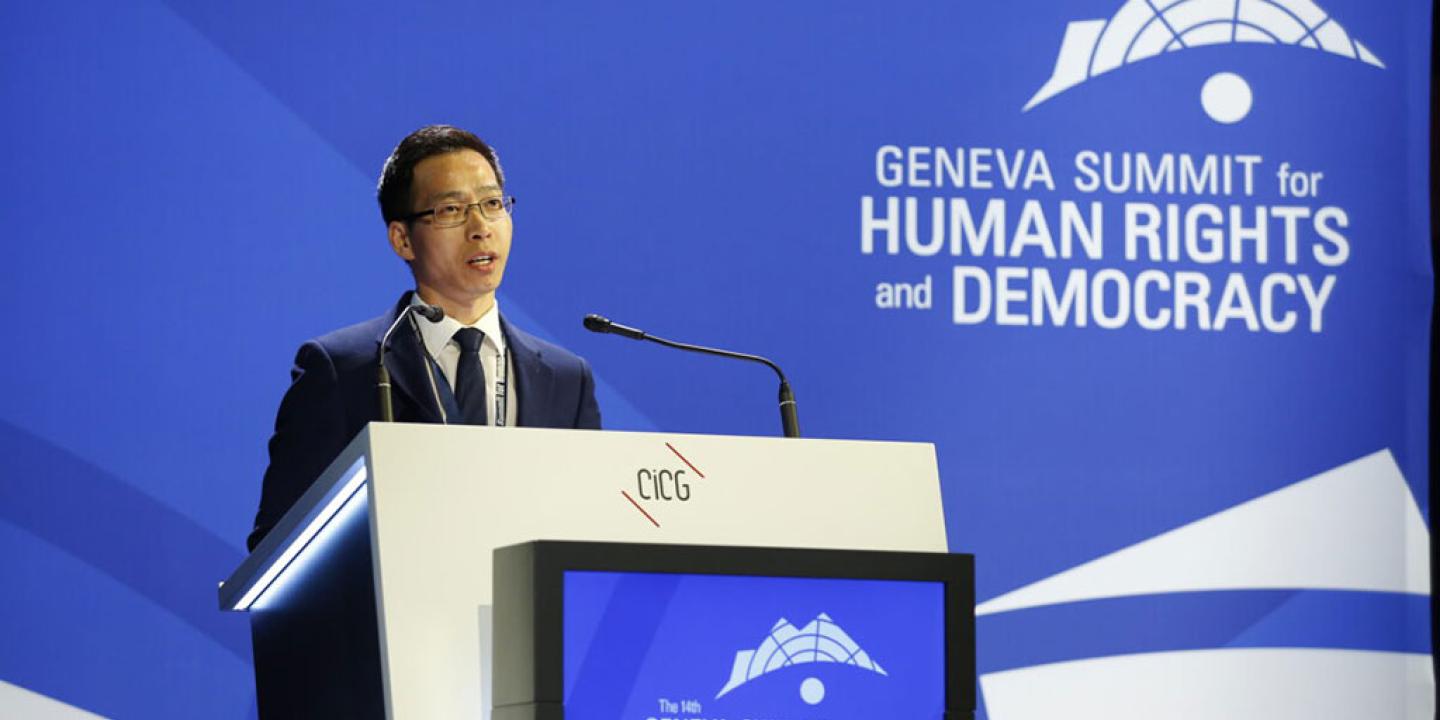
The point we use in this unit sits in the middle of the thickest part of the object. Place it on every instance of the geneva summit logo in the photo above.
(1143, 29)
(821, 641)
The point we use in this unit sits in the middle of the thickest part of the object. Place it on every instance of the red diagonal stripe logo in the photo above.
(641, 509)
(687, 462)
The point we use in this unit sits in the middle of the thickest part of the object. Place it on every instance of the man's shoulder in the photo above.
(360, 334)
(547, 351)
(354, 344)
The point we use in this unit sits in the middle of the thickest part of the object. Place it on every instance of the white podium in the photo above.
(370, 597)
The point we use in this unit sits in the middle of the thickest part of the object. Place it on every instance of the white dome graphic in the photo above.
(1146, 28)
(820, 641)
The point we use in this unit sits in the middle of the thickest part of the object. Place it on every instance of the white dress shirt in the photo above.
(439, 339)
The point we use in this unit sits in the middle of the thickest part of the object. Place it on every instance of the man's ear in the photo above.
(400, 241)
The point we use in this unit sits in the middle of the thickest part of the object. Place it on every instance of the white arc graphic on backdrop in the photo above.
(1234, 684)
(17, 702)
(1355, 527)
(1143, 29)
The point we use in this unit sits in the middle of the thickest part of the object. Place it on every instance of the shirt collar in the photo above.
(438, 334)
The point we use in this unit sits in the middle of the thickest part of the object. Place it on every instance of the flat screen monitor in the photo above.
(654, 632)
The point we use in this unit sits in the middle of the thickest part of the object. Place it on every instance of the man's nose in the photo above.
(477, 227)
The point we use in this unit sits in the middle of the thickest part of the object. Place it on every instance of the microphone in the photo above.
(596, 323)
(433, 313)
(789, 421)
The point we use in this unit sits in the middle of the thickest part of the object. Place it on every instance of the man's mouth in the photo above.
(482, 260)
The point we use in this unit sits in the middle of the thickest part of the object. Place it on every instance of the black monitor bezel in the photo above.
(529, 602)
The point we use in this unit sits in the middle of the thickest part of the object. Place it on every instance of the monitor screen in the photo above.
(660, 646)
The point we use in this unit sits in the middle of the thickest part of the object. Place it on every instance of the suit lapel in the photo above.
(532, 377)
(408, 368)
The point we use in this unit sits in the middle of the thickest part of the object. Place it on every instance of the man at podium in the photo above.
(442, 196)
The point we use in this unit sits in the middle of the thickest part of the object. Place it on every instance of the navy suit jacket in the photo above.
(332, 396)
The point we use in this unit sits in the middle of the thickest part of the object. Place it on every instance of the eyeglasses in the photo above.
(454, 212)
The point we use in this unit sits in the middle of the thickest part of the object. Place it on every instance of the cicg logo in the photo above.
(659, 484)
(662, 484)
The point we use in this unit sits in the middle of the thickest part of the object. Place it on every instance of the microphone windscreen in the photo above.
(433, 313)
(595, 323)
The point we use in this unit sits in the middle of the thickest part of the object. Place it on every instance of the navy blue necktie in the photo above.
(470, 377)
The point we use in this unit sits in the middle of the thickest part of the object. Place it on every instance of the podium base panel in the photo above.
(316, 640)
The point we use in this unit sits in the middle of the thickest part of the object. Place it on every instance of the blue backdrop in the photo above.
(190, 195)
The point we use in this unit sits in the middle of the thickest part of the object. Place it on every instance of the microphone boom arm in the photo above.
(789, 418)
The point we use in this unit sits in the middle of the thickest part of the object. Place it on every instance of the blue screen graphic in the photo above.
(646, 646)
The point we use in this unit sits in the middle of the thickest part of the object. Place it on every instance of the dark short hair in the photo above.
(399, 172)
